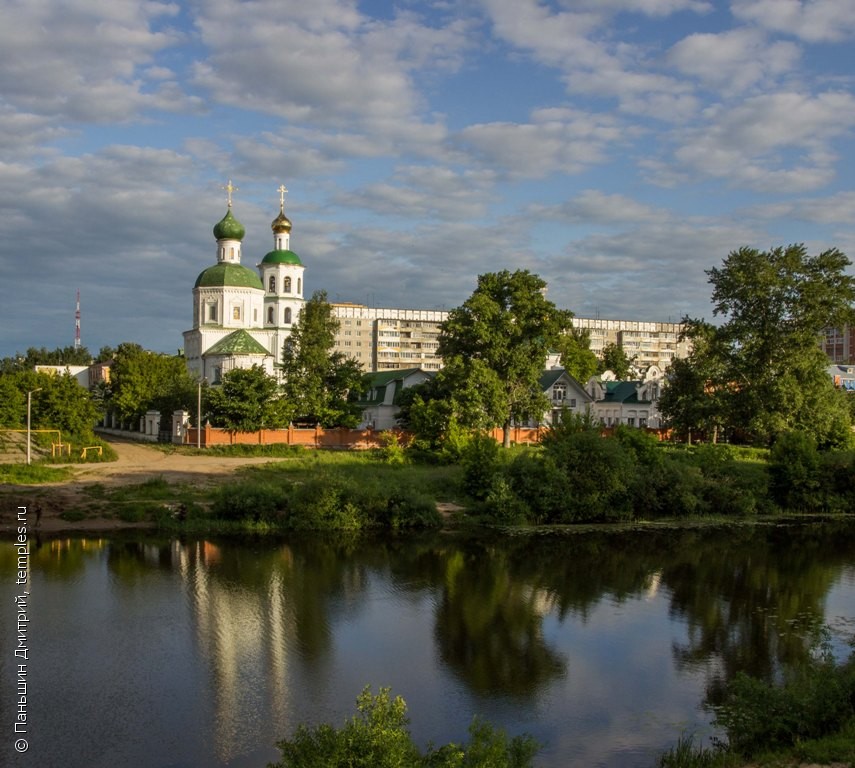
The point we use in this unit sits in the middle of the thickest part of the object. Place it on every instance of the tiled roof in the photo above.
(237, 343)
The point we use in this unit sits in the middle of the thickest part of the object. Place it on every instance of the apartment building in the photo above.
(839, 344)
(387, 339)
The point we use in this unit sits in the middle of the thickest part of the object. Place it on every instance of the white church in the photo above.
(241, 317)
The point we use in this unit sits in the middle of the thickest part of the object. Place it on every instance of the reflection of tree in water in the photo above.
(489, 625)
(495, 592)
(753, 598)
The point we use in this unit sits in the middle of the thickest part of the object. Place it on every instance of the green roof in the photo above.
(229, 228)
(235, 275)
(621, 391)
(548, 378)
(282, 257)
(237, 343)
(379, 380)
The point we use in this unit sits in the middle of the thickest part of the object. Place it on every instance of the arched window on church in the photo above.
(287, 315)
(299, 286)
(271, 285)
(286, 286)
(270, 315)
(235, 313)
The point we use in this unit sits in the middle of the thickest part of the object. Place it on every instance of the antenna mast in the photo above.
(77, 322)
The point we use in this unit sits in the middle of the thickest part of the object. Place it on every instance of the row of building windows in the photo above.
(271, 316)
(286, 285)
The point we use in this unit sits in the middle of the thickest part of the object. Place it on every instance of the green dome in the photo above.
(229, 228)
(282, 257)
(233, 275)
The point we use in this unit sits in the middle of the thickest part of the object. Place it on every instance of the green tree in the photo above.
(60, 404)
(694, 395)
(13, 402)
(616, 360)
(379, 737)
(495, 345)
(776, 303)
(245, 401)
(69, 355)
(316, 380)
(576, 355)
(142, 380)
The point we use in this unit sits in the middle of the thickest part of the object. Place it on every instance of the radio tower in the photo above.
(77, 322)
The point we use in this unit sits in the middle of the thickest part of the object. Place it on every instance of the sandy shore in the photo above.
(137, 462)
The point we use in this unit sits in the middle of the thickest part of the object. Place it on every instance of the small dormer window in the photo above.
(271, 285)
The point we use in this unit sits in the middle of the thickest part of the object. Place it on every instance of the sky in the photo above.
(617, 148)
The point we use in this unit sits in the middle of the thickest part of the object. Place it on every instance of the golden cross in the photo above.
(229, 189)
(281, 190)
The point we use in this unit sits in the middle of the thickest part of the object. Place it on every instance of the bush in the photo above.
(600, 474)
(407, 508)
(542, 491)
(837, 473)
(250, 501)
(324, 504)
(391, 450)
(670, 489)
(481, 462)
(794, 472)
(812, 703)
(378, 737)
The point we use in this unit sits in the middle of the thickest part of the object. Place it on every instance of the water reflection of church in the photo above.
(245, 633)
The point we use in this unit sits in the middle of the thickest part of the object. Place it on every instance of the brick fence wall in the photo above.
(318, 437)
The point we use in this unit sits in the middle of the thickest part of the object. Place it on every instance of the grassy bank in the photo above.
(32, 474)
(808, 717)
(575, 477)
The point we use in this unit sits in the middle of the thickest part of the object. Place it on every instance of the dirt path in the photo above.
(136, 463)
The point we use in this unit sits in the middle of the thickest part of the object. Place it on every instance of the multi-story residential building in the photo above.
(385, 339)
(839, 344)
(388, 339)
(650, 343)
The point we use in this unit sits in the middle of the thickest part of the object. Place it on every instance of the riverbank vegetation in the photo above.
(378, 736)
(576, 476)
(808, 717)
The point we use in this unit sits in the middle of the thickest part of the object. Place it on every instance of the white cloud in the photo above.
(734, 60)
(776, 141)
(425, 194)
(82, 59)
(590, 66)
(838, 208)
(650, 7)
(812, 20)
(555, 141)
(322, 63)
(591, 206)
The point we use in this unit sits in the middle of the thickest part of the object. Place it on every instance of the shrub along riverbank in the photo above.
(575, 476)
(809, 717)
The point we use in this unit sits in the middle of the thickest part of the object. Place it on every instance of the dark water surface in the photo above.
(605, 646)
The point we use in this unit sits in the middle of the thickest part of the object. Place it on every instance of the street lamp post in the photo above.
(29, 410)
(199, 416)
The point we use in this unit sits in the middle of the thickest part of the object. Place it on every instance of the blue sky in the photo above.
(618, 148)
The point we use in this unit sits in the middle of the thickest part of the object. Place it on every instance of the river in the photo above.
(604, 645)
